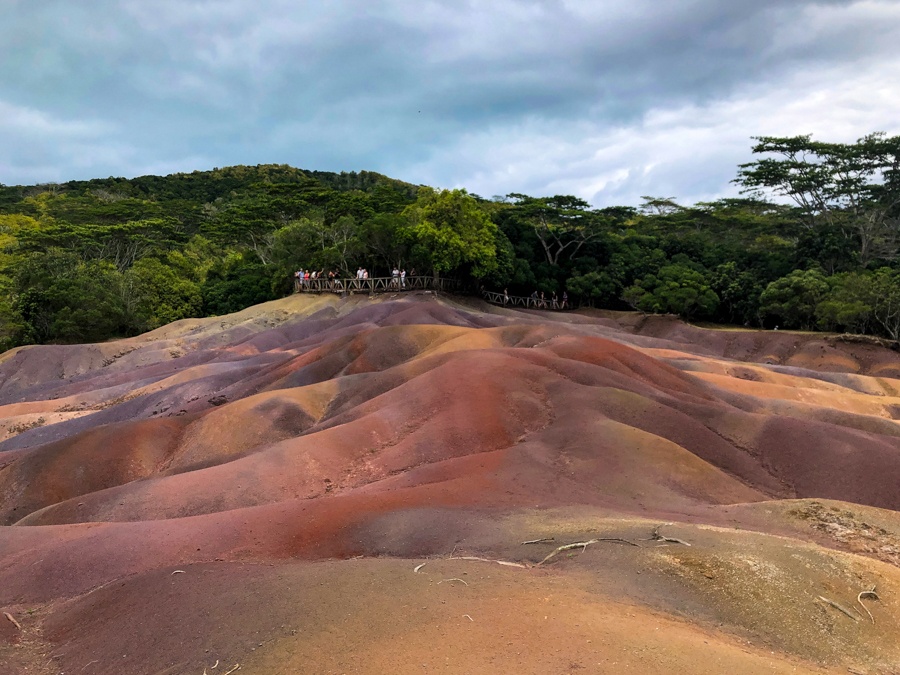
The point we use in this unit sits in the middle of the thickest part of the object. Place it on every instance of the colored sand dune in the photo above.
(262, 489)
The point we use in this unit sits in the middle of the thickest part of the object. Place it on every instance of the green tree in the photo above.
(851, 186)
(563, 224)
(595, 287)
(154, 294)
(886, 301)
(848, 304)
(447, 230)
(677, 289)
(738, 291)
(793, 299)
(62, 298)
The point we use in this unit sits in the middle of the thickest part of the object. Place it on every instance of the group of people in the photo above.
(304, 279)
(398, 278)
(539, 300)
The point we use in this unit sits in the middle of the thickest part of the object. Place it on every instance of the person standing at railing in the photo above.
(565, 301)
(505, 297)
(403, 279)
(395, 278)
(554, 303)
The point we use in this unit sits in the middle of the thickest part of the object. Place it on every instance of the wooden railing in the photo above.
(398, 285)
(529, 303)
(375, 285)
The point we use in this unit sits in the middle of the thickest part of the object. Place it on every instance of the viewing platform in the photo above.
(378, 285)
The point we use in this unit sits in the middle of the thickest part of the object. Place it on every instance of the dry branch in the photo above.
(453, 579)
(537, 541)
(418, 567)
(178, 572)
(839, 607)
(583, 545)
(867, 594)
(236, 666)
(13, 619)
(488, 560)
(656, 536)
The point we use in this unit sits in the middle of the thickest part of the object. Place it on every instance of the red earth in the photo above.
(326, 485)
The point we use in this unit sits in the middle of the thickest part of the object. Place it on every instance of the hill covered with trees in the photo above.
(813, 244)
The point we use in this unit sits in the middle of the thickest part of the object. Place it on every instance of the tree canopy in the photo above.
(812, 244)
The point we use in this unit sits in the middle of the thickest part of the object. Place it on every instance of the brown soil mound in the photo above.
(166, 498)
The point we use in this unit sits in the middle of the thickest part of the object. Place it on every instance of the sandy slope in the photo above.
(258, 489)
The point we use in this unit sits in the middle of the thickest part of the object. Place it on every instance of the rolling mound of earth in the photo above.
(424, 484)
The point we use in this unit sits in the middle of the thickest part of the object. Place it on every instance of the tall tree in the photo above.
(448, 229)
(853, 186)
(563, 224)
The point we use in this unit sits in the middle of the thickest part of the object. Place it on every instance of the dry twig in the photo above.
(537, 541)
(178, 572)
(583, 545)
(839, 607)
(453, 579)
(13, 619)
(469, 618)
(656, 536)
(499, 562)
(418, 567)
(867, 594)
(236, 666)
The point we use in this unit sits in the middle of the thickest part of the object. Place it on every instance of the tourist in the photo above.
(505, 297)
(565, 301)
(554, 302)
(402, 279)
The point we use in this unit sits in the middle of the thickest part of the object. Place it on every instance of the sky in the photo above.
(608, 100)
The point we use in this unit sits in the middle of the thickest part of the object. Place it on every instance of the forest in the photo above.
(811, 244)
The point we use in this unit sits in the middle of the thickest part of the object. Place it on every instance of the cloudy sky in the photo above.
(605, 99)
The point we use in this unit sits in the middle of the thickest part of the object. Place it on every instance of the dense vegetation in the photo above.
(90, 260)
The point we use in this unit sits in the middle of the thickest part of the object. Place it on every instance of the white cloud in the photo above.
(600, 98)
(690, 151)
